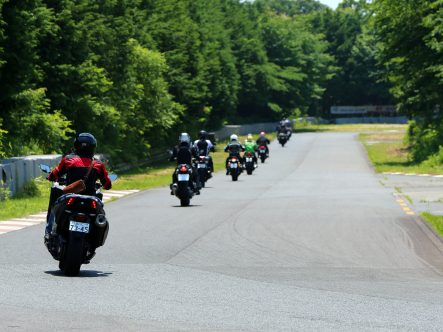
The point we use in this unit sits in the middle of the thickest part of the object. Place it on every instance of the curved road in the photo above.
(311, 241)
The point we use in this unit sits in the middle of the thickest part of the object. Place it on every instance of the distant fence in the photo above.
(15, 172)
(228, 130)
(374, 119)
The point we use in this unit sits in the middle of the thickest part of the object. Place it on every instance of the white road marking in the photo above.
(35, 221)
(17, 223)
(10, 228)
(114, 194)
(413, 174)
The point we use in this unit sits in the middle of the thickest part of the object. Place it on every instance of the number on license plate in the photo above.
(201, 165)
(183, 177)
(81, 227)
(234, 165)
(249, 159)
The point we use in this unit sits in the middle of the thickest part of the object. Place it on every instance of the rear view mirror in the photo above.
(45, 168)
(113, 177)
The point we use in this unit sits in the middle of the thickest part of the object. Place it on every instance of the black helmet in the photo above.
(85, 144)
(203, 134)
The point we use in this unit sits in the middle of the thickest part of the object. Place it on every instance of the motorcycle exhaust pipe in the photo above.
(101, 221)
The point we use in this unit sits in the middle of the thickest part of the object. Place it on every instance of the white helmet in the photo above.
(234, 137)
(184, 137)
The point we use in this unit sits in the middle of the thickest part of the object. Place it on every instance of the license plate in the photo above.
(81, 227)
(234, 165)
(201, 166)
(262, 151)
(248, 159)
(183, 177)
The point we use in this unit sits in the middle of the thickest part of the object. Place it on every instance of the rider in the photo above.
(251, 147)
(76, 166)
(263, 141)
(288, 125)
(234, 148)
(183, 153)
(203, 146)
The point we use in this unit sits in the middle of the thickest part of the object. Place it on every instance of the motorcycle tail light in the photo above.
(71, 201)
(234, 160)
(183, 169)
(93, 204)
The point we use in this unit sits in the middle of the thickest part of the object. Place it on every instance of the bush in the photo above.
(424, 140)
(4, 193)
(30, 189)
(435, 160)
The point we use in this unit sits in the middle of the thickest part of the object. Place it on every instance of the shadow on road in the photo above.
(190, 206)
(82, 274)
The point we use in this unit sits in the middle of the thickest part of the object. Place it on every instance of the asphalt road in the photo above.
(311, 241)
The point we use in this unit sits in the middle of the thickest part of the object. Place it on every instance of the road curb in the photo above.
(413, 174)
(430, 232)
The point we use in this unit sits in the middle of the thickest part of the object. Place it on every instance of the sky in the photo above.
(331, 3)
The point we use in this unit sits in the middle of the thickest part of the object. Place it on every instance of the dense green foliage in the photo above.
(410, 45)
(136, 72)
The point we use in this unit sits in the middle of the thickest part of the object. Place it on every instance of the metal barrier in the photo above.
(227, 131)
(375, 119)
(16, 172)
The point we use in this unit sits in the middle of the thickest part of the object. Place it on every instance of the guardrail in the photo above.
(228, 130)
(17, 171)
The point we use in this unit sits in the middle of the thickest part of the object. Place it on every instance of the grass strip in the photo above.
(26, 202)
(389, 155)
(435, 221)
(359, 128)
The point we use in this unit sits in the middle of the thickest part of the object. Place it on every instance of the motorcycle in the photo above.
(249, 162)
(182, 188)
(80, 226)
(234, 167)
(203, 169)
(282, 139)
(262, 153)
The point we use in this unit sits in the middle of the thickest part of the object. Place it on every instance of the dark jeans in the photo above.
(56, 193)
(211, 164)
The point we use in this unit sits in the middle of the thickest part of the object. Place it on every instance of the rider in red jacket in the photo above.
(76, 166)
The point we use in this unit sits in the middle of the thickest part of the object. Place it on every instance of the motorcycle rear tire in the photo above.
(185, 201)
(234, 177)
(73, 255)
(249, 171)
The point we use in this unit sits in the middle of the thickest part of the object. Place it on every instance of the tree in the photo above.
(409, 43)
(29, 121)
